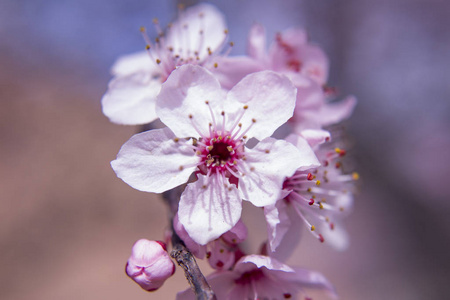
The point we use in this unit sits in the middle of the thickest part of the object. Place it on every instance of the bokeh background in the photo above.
(67, 223)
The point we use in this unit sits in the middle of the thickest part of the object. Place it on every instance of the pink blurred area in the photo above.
(67, 224)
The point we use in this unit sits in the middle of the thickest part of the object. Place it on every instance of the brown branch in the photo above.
(186, 260)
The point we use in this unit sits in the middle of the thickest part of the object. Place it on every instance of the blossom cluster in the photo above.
(237, 128)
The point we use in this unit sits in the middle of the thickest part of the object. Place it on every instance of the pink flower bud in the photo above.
(220, 256)
(149, 264)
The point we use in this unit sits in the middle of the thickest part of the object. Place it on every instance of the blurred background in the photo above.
(67, 223)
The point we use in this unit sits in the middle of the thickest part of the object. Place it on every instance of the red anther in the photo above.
(332, 226)
(338, 165)
(321, 239)
(287, 296)
(327, 139)
(326, 163)
(208, 254)
(342, 152)
(219, 264)
(163, 245)
(310, 176)
(311, 201)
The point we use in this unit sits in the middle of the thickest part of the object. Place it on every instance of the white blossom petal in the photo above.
(134, 63)
(308, 158)
(183, 95)
(267, 165)
(256, 44)
(315, 137)
(130, 100)
(270, 98)
(335, 112)
(155, 161)
(197, 28)
(231, 69)
(209, 207)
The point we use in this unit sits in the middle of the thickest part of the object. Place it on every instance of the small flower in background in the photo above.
(149, 264)
(262, 277)
(196, 37)
(207, 132)
(318, 197)
(221, 253)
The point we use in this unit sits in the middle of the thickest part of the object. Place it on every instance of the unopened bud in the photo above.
(149, 264)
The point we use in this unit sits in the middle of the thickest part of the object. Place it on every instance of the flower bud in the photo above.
(149, 264)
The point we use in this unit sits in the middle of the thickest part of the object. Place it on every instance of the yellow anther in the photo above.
(337, 150)
(252, 169)
(309, 190)
(327, 219)
(215, 65)
(244, 137)
(198, 152)
(219, 138)
(204, 187)
(155, 21)
(235, 162)
(210, 148)
(176, 140)
(181, 168)
(191, 116)
(231, 44)
(225, 31)
(230, 149)
(355, 176)
(318, 182)
(207, 102)
(254, 120)
(147, 47)
(341, 208)
(158, 61)
(320, 205)
(267, 151)
(157, 39)
(313, 228)
(245, 106)
(240, 124)
(142, 29)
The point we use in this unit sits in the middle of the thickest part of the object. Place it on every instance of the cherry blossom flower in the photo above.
(263, 277)
(317, 197)
(207, 130)
(305, 64)
(194, 38)
(221, 253)
(149, 264)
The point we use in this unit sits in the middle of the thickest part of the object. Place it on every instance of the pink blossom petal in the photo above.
(268, 164)
(313, 279)
(278, 223)
(308, 157)
(249, 262)
(237, 234)
(130, 100)
(198, 250)
(134, 63)
(155, 161)
(270, 98)
(231, 69)
(316, 63)
(315, 137)
(209, 209)
(198, 28)
(183, 95)
(256, 44)
(335, 112)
